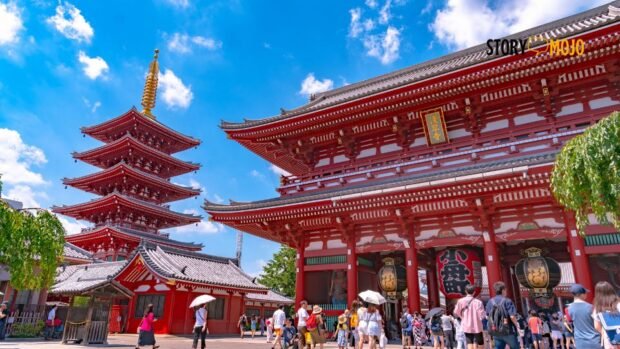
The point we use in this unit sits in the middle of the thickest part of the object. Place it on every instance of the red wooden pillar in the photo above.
(491, 259)
(300, 277)
(413, 283)
(578, 257)
(351, 271)
(130, 314)
(433, 285)
(169, 310)
(507, 279)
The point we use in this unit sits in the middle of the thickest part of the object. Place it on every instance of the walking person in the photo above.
(341, 332)
(146, 334)
(580, 312)
(406, 326)
(362, 326)
(535, 325)
(261, 322)
(568, 330)
(302, 316)
(437, 332)
(375, 324)
(353, 321)
(459, 335)
(556, 331)
(607, 314)
(502, 320)
(447, 325)
(243, 321)
(200, 326)
(279, 318)
(419, 331)
(49, 324)
(269, 324)
(253, 324)
(4, 313)
(471, 311)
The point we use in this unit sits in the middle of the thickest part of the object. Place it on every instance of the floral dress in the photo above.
(419, 332)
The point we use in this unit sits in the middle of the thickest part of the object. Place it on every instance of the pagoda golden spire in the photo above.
(150, 87)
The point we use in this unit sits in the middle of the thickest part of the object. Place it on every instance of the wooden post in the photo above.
(89, 316)
(64, 331)
(491, 259)
(578, 257)
(351, 271)
(300, 276)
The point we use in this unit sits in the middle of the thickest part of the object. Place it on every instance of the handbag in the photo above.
(611, 324)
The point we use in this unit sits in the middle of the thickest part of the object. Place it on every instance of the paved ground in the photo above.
(165, 342)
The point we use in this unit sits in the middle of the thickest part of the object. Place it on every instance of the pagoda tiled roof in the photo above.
(328, 194)
(122, 169)
(81, 278)
(566, 27)
(270, 297)
(123, 200)
(74, 252)
(129, 141)
(129, 119)
(197, 268)
(138, 236)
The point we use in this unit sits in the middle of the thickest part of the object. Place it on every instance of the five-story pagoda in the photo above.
(134, 186)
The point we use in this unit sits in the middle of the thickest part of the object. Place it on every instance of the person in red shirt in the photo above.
(535, 325)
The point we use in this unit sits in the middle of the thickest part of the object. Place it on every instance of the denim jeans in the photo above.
(509, 340)
(199, 333)
(2, 325)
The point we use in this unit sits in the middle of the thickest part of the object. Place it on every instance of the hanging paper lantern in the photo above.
(539, 274)
(458, 267)
(392, 277)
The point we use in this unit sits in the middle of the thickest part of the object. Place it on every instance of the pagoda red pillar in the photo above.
(351, 271)
(433, 285)
(300, 277)
(578, 257)
(491, 259)
(413, 283)
(507, 279)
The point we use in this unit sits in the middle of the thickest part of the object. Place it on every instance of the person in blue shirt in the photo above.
(580, 312)
(406, 324)
(289, 334)
(511, 311)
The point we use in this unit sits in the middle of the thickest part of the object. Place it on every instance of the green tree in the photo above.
(31, 245)
(279, 273)
(586, 175)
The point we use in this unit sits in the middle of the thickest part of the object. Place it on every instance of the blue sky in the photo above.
(64, 65)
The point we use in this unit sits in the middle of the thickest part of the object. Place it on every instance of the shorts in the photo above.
(568, 334)
(277, 331)
(474, 338)
(556, 334)
(407, 333)
(437, 333)
(537, 337)
(362, 328)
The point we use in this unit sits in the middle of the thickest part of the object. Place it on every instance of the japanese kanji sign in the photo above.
(434, 126)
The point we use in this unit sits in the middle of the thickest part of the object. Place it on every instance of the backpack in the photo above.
(498, 319)
(404, 322)
(311, 322)
(435, 324)
(354, 320)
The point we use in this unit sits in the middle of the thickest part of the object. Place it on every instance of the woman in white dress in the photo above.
(375, 324)
(362, 325)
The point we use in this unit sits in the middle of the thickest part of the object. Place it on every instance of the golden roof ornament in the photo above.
(150, 87)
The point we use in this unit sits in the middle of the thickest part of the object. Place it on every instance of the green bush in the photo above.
(28, 330)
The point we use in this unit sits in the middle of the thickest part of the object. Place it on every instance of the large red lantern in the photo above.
(458, 267)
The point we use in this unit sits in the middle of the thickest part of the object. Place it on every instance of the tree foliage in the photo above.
(586, 176)
(31, 245)
(279, 273)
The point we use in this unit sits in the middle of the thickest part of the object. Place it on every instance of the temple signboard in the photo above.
(434, 126)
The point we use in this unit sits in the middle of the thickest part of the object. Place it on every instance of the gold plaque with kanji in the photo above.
(434, 126)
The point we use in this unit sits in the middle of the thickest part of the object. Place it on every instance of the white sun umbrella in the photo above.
(372, 297)
(200, 300)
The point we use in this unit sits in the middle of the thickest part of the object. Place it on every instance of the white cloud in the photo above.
(70, 23)
(385, 47)
(280, 172)
(92, 106)
(174, 92)
(208, 43)
(10, 23)
(93, 67)
(427, 8)
(257, 268)
(311, 85)
(71, 225)
(25, 195)
(465, 23)
(384, 13)
(355, 27)
(371, 3)
(256, 174)
(203, 227)
(218, 199)
(16, 159)
(179, 3)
